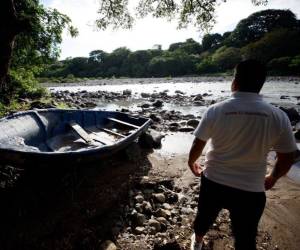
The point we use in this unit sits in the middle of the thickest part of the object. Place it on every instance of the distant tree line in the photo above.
(272, 36)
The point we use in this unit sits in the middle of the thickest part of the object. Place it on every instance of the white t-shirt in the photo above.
(241, 131)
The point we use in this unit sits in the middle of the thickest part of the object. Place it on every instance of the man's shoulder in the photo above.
(219, 105)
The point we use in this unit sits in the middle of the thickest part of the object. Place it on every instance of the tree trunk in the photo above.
(8, 31)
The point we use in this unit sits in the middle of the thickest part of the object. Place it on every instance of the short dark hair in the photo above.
(250, 75)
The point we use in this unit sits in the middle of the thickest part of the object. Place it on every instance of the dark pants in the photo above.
(245, 210)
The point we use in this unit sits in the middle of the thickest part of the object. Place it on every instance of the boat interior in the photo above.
(66, 130)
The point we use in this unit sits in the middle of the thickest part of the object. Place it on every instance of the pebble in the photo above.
(139, 198)
(155, 224)
(139, 230)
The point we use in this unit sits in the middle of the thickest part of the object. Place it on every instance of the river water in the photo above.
(280, 92)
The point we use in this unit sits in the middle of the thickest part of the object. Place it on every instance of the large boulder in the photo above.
(151, 139)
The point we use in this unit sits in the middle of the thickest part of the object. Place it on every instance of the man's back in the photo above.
(242, 131)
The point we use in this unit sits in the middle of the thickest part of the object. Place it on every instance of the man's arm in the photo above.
(195, 152)
(282, 166)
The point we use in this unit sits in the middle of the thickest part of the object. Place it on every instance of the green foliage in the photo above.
(116, 13)
(259, 24)
(206, 66)
(25, 84)
(280, 66)
(35, 46)
(39, 44)
(216, 52)
(278, 43)
(190, 46)
(212, 41)
(226, 58)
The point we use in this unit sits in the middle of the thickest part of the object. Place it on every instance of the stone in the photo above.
(197, 98)
(167, 206)
(139, 207)
(155, 118)
(168, 183)
(182, 199)
(127, 92)
(139, 230)
(151, 139)
(163, 213)
(147, 208)
(145, 105)
(192, 123)
(158, 104)
(174, 124)
(199, 103)
(187, 210)
(162, 220)
(155, 224)
(186, 129)
(292, 114)
(90, 104)
(139, 198)
(179, 92)
(108, 245)
(160, 197)
(140, 219)
(145, 95)
(172, 197)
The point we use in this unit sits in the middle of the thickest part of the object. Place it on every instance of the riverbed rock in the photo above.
(160, 197)
(151, 139)
(158, 104)
(145, 105)
(127, 92)
(192, 123)
(179, 92)
(186, 129)
(147, 208)
(145, 95)
(154, 223)
(163, 213)
(197, 98)
(140, 219)
(292, 114)
(155, 118)
(139, 198)
(199, 103)
(139, 230)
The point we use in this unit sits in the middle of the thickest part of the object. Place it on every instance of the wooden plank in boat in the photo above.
(112, 132)
(81, 132)
(122, 122)
(90, 137)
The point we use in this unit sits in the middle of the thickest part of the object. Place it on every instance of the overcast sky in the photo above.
(147, 32)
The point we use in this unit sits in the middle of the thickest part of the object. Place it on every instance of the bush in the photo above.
(24, 84)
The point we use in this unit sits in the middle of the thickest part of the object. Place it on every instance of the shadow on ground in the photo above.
(69, 207)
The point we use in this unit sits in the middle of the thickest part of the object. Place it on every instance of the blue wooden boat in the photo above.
(56, 136)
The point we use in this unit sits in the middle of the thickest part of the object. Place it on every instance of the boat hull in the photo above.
(37, 127)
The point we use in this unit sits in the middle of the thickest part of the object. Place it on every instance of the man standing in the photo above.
(241, 131)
